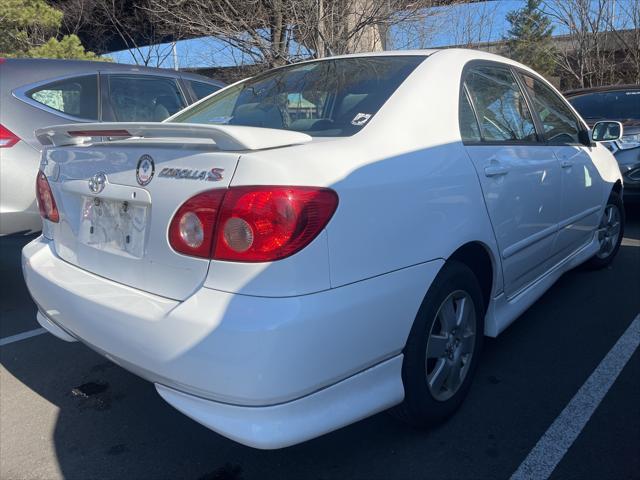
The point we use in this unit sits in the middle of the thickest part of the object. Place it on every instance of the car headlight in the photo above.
(628, 141)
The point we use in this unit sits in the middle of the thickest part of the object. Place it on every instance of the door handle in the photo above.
(566, 164)
(495, 170)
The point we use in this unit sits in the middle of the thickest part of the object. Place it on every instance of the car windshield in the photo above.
(618, 104)
(324, 98)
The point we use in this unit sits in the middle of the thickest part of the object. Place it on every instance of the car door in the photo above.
(520, 179)
(130, 97)
(581, 182)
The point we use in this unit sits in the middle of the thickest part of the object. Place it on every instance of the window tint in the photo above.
(324, 98)
(502, 111)
(558, 122)
(202, 89)
(620, 104)
(469, 130)
(143, 98)
(76, 96)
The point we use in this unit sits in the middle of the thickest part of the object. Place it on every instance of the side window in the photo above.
(202, 89)
(558, 121)
(143, 98)
(77, 96)
(469, 130)
(502, 111)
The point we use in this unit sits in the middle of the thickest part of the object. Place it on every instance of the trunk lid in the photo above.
(117, 198)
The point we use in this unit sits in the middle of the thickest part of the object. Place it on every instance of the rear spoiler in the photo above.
(226, 137)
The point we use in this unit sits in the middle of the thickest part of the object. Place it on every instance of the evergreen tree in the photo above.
(29, 29)
(529, 39)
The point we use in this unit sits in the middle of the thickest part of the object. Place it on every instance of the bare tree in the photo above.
(131, 22)
(276, 32)
(256, 29)
(470, 25)
(77, 14)
(348, 26)
(584, 55)
(626, 28)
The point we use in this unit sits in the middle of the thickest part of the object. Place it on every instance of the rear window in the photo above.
(77, 96)
(325, 98)
(618, 104)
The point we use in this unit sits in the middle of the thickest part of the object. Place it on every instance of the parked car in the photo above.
(620, 103)
(35, 93)
(280, 278)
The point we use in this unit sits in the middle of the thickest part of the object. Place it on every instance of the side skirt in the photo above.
(503, 312)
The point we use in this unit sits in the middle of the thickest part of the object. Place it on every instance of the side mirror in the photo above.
(606, 131)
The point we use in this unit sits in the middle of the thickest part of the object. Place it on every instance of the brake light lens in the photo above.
(251, 224)
(98, 133)
(7, 137)
(46, 202)
(263, 224)
(192, 227)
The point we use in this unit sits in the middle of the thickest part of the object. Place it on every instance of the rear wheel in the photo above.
(609, 232)
(442, 351)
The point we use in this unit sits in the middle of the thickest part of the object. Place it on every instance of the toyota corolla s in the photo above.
(324, 241)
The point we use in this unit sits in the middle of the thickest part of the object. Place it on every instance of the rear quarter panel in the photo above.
(408, 191)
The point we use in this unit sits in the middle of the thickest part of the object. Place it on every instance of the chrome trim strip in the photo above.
(526, 242)
(571, 220)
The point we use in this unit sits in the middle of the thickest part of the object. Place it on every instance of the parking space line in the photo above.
(21, 336)
(555, 442)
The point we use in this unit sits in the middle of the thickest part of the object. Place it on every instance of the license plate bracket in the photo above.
(114, 226)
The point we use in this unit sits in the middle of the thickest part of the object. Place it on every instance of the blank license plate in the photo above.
(114, 226)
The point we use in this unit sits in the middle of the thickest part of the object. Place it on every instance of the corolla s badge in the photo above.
(213, 175)
(97, 182)
(145, 170)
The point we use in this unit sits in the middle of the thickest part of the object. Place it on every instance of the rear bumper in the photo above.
(217, 348)
(285, 424)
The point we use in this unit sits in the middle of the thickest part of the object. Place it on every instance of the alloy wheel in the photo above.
(451, 345)
(609, 231)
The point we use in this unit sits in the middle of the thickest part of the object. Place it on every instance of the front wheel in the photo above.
(443, 347)
(609, 233)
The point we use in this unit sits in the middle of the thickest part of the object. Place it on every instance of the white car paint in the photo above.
(273, 354)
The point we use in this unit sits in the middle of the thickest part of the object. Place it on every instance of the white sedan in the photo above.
(324, 241)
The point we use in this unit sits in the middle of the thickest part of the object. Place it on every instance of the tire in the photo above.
(610, 233)
(429, 399)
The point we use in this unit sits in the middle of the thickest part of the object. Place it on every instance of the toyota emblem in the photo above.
(97, 182)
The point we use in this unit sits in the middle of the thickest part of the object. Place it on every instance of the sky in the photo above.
(448, 26)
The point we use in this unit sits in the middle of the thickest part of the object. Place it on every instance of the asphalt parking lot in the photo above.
(66, 412)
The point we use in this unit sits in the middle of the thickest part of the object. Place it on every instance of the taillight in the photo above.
(262, 224)
(192, 227)
(7, 137)
(252, 224)
(46, 202)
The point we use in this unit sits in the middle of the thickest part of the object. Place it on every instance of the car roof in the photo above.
(459, 55)
(20, 71)
(608, 88)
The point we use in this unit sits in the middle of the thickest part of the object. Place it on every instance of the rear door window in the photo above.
(142, 98)
(502, 111)
(469, 130)
(77, 96)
